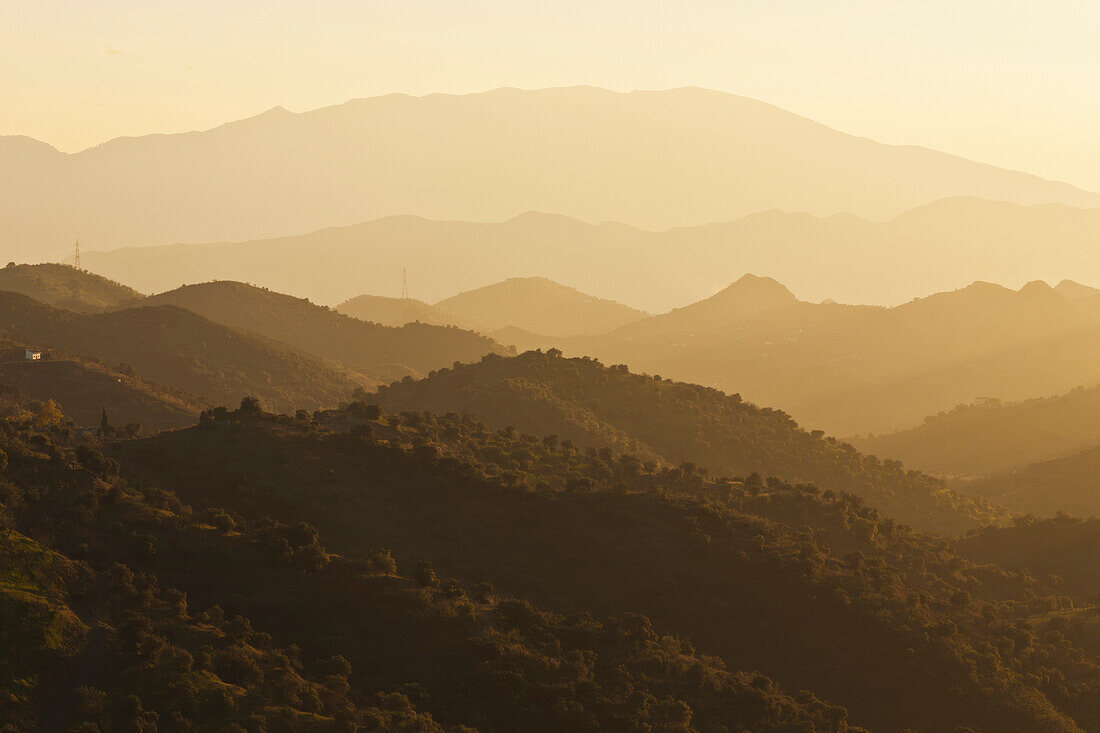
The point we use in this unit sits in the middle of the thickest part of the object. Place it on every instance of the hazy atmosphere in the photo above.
(483, 367)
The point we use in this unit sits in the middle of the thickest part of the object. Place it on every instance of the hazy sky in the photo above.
(1004, 81)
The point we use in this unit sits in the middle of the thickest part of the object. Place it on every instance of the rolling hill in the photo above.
(939, 246)
(374, 351)
(992, 437)
(540, 306)
(83, 390)
(66, 287)
(609, 408)
(648, 158)
(178, 348)
(399, 311)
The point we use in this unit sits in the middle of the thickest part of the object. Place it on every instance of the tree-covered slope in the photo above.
(122, 611)
(1063, 549)
(593, 405)
(867, 614)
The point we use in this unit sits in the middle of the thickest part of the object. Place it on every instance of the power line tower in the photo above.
(76, 256)
(404, 283)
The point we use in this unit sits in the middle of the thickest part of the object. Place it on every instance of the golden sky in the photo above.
(1007, 82)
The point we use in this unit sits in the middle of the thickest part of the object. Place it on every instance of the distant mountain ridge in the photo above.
(937, 247)
(649, 158)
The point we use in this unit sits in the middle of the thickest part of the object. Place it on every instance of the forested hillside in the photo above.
(373, 350)
(1061, 550)
(609, 407)
(867, 614)
(122, 610)
(178, 348)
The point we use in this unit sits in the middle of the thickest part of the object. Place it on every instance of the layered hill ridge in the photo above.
(651, 158)
(66, 287)
(177, 347)
(938, 248)
(399, 311)
(858, 369)
(1071, 289)
(1066, 484)
(534, 305)
(750, 297)
(375, 351)
(608, 407)
(993, 437)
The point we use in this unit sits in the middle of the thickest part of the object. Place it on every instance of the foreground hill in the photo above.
(608, 407)
(937, 247)
(122, 610)
(541, 306)
(175, 347)
(991, 437)
(1070, 484)
(376, 351)
(650, 158)
(866, 614)
(66, 287)
(858, 369)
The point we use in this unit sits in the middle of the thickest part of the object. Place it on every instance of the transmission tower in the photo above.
(404, 284)
(76, 255)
